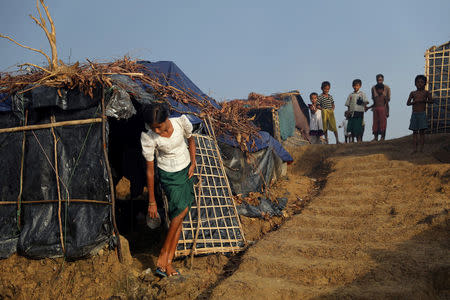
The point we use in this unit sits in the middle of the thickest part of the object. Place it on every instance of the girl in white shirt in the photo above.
(166, 140)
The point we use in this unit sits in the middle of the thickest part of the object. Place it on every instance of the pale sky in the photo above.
(232, 48)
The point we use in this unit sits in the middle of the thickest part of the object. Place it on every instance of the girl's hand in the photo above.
(152, 211)
(191, 170)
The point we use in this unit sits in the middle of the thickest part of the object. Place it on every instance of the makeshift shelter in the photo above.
(283, 122)
(55, 195)
(437, 72)
(67, 206)
(265, 160)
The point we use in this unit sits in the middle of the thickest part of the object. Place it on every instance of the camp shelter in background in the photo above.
(438, 73)
(281, 127)
(288, 124)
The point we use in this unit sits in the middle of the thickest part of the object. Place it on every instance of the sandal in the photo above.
(160, 272)
(176, 273)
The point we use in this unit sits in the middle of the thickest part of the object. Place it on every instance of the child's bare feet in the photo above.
(171, 271)
(162, 261)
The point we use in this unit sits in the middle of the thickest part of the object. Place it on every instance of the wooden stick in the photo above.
(128, 74)
(55, 141)
(54, 201)
(111, 183)
(19, 197)
(51, 36)
(26, 47)
(50, 125)
(199, 222)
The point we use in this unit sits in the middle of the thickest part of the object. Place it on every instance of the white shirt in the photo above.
(344, 126)
(352, 99)
(172, 154)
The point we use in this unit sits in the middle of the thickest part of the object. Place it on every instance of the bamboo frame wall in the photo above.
(219, 228)
(438, 75)
(54, 165)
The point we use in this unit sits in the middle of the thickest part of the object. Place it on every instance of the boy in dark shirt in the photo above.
(418, 99)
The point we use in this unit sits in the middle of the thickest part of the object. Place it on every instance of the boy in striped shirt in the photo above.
(325, 102)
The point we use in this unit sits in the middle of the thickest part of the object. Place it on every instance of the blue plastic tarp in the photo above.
(5, 102)
(168, 73)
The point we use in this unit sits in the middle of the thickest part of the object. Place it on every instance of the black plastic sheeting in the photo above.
(264, 209)
(250, 174)
(82, 173)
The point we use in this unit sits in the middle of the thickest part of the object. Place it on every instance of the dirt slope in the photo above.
(379, 229)
(375, 226)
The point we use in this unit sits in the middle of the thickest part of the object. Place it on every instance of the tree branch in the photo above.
(26, 47)
(52, 38)
(36, 66)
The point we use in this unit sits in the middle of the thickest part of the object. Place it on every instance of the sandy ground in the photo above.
(364, 221)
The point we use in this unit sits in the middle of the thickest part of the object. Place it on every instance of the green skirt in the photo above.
(179, 189)
(354, 126)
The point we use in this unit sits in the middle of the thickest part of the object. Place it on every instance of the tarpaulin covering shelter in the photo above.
(55, 192)
(35, 217)
(66, 207)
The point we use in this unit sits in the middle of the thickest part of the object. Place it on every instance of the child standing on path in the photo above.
(325, 102)
(356, 103)
(380, 109)
(418, 99)
(315, 116)
(343, 125)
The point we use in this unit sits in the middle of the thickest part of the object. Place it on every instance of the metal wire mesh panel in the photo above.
(212, 225)
(437, 72)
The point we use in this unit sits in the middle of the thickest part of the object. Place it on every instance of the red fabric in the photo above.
(379, 120)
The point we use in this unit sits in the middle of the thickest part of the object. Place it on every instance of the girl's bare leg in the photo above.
(177, 223)
(172, 235)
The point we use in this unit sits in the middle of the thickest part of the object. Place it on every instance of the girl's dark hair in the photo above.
(423, 77)
(155, 113)
(312, 94)
(324, 84)
(379, 76)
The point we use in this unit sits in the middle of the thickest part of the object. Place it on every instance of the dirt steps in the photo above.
(360, 238)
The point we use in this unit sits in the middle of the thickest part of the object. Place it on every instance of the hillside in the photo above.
(364, 221)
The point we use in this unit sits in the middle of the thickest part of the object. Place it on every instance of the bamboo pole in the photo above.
(199, 196)
(55, 201)
(51, 125)
(111, 184)
(19, 197)
(55, 150)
